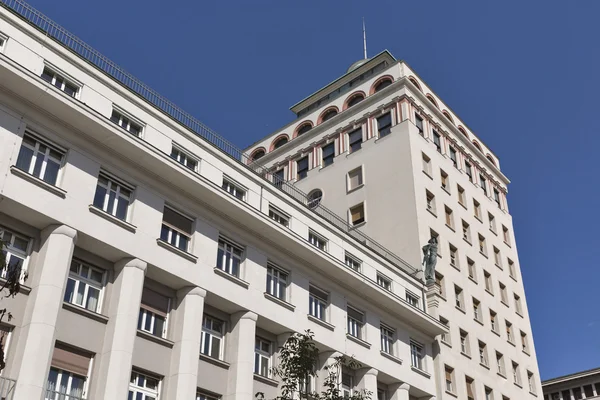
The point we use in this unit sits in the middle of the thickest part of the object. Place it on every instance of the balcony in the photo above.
(7, 388)
(53, 395)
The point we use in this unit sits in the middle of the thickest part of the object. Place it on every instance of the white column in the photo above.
(399, 391)
(368, 381)
(326, 359)
(112, 381)
(241, 356)
(36, 340)
(182, 381)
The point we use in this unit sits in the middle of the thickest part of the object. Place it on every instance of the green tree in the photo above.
(298, 362)
(9, 289)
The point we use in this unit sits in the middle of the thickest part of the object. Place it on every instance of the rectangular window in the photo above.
(464, 342)
(518, 304)
(417, 354)
(500, 364)
(355, 178)
(476, 209)
(229, 257)
(384, 282)
(384, 124)
(493, 321)
(482, 245)
(477, 310)
(419, 124)
(449, 218)
(387, 339)
(15, 250)
(84, 286)
(279, 216)
(277, 282)
(503, 296)
(352, 262)
(318, 241)
(524, 342)
(488, 282)
(471, 269)
(347, 384)
(587, 389)
(3, 40)
(566, 395)
(492, 222)
(458, 296)
(462, 200)
(143, 387)
(317, 303)
(469, 170)
(154, 309)
(430, 198)
(446, 337)
(453, 256)
(203, 396)
(278, 178)
(470, 388)
(483, 184)
(517, 374)
(453, 157)
(437, 141)
(262, 357)
(302, 168)
(233, 189)
(184, 159)
(113, 197)
(466, 231)
(531, 383)
(426, 164)
(177, 229)
(328, 152)
(126, 123)
(59, 81)
(497, 198)
(355, 140)
(439, 280)
(412, 299)
(40, 159)
(489, 394)
(444, 180)
(212, 337)
(483, 358)
(357, 214)
(505, 235)
(355, 322)
(68, 373)
(509, 332)
(449, 373)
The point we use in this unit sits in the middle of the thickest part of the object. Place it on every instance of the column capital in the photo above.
(370, 371)
(246, 315)
(402, 386)
(131, 263)
(60, 230)
(191, 291)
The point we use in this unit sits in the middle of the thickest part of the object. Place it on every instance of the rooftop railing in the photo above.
(92, 56)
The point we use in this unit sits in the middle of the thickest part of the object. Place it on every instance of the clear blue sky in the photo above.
(524, 75)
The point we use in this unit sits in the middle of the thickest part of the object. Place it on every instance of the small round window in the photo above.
(314, 198)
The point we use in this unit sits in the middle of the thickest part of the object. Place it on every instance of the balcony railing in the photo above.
(53, 395)
(7, 388)
(92, 56)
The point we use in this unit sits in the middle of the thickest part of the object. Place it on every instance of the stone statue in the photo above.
(430, 253)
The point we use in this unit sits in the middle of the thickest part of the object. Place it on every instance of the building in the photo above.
(156, 264)
(379, 147)
(577, 386)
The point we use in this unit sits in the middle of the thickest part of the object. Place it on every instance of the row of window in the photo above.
(488, 393)
(577, 393)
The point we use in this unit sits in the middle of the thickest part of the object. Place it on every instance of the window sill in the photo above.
(483, 254)
(465, 354)
(526, 353)
(432, 212)
(214, 361)
(505, 303)
(499, 267)
(123, 224)
(391, 357)
(450, 227)
(478, 321)
(38, 182)
(490, 293)
(463, 205)
(155, 339)
(496, 333)
(179, 252)
(513, 278)
(473, 280)
(500, 374)
(485, 366)
(22, 289)
(355, 189)
(446, 190)
(359, 341)
(518, 385)
(532, 393)
(85, 312)
(282, 303)
(506, 243)
(494, 232)
(468, 241)
(446, 343)
(267, 380)
(511, 343)
(460, 309)
(359, 225)
(519, 314)
(232, 278)
(421, 372)
(451, 394)
(428, 174)
(455, 266)
(478, 218)
(321, 322)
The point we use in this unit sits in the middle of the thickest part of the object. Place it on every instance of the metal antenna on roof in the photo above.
(364, 38)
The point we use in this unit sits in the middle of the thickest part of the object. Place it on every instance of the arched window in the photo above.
(447, 115)
(489, 157)
(382, 85)
(305, 127)
(414, 82)
(432, 100)
(314, 198)
(354, 100)
(258, 153)
(477, 145)
(462, 130)
(328, 114)
(279, 142)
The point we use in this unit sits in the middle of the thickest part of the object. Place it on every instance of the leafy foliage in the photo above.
(298, 363)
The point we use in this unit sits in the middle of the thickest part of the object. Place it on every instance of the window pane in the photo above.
(216, 346)
(99, 197)
(37, 169)
(24, 159)
(51, 173)
(122, 205)
(92, 300)
(69, 291)
(80, 293)
(159, 325)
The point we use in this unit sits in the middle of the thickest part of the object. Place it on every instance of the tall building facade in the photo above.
(380, 148)
(157, 264)
(577, 386)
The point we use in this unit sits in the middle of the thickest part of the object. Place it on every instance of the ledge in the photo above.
(468, 241)
(446, 190)
(282, 303)
(495, 332)
(155, 339)
(484, 365)
(123, 224)
(432, 213)
(506, 243)
(463, 205)
(232, 278)
(478, 321)
(483, 254)
(451, 394)
(473, 280)
(359, 341)
(529, 355)
(266, 380)
(511, 343)
(427, 173)
(421, 372)
(321, 322)
(86, 313)
(391, 357)
(460, 309)
(462, 353)
(490, 293)
(493, 231)
(500, 374)
(499, 267)
(355, 189)
(38, 182)
(214, 361)
(513, 278)
(179, 252)
(505, 303)
(450, 227)
(446, 343)
(23, 289)
(519, 314)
